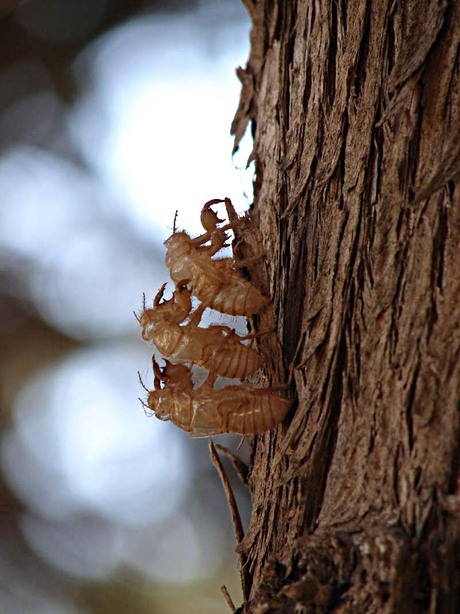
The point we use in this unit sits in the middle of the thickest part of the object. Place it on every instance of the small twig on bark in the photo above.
(236, 518)
(241, 469)
(228, 599)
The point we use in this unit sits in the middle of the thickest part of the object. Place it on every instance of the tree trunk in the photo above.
(355, 111)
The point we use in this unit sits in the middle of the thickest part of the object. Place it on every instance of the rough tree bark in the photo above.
(355, 111)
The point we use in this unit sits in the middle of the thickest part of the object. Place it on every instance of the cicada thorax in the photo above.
(179, 249)
(183, 410)
(164, 313)
(207, 419)
(161, 326)
(168, 338)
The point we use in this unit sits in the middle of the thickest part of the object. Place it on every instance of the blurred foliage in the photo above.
(38, 43)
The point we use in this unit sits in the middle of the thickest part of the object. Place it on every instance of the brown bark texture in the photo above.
(355, 111)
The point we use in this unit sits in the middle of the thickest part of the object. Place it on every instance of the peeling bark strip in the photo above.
(355, 110)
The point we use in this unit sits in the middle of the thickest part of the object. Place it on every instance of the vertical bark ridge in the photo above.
(355, 108)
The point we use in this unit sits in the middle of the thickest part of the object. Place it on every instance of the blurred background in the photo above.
(113, 114)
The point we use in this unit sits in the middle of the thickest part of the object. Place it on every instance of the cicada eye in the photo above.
(161, 403)
(175, 239)
(179, 243)
(148, 333)
(144, 319)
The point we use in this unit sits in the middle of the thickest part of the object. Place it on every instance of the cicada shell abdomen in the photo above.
(229, 293)
(261, 411)
(237, 409)
(243, 299)
(231, 358)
